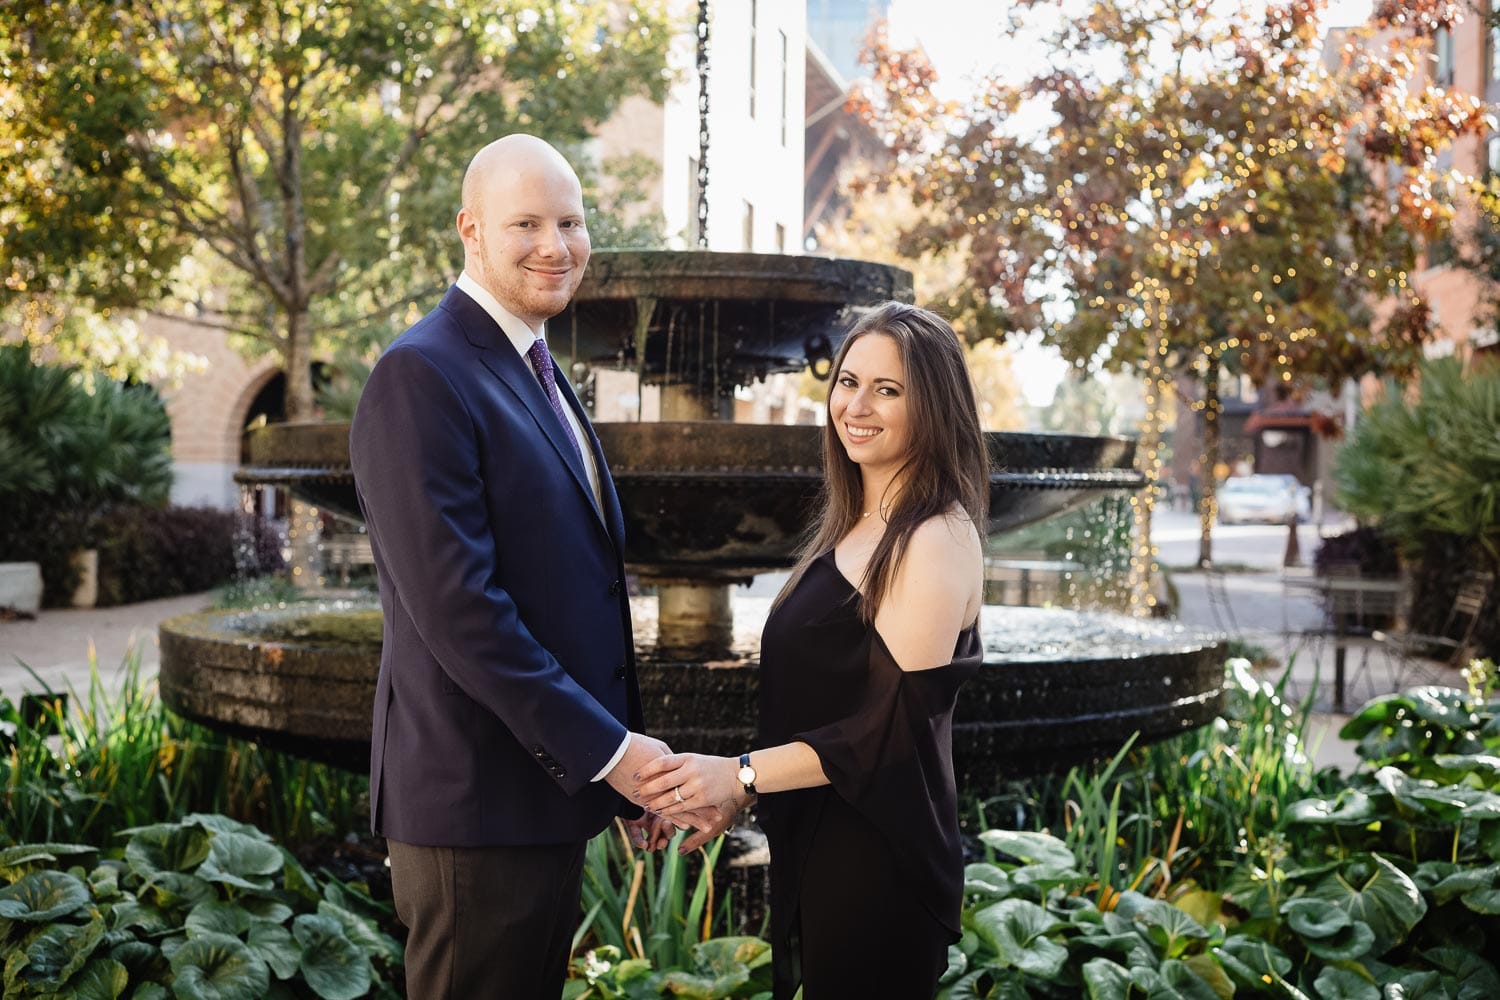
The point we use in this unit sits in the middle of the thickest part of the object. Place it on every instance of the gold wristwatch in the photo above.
(747, 774)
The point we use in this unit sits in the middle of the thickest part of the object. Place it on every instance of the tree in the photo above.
(283, 170)
(1204, 194)
(871, 230)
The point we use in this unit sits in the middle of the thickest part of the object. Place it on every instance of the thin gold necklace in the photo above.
(885, 509)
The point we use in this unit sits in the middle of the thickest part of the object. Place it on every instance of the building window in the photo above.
(752, 58)
(749, 235)
(784, 70)
(1442, 44)
(1493, 62)
(780, 238)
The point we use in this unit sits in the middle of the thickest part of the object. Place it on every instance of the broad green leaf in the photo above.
(1350, 943)
(1430, 873)
(176, 890)
(1372, 890)
(166, 847)
(1030, 847)
(958, 964)
(1169, 928)
(244, 856)
(373, 942)
(218, 967)
(104, 883)
(150, 991)
(721, 953)
(1477, 888)
(1105, 980)
(1017, 930)
(704, 987)
(987, 882)
(1208, 969)
(216, 917)
(1444, 706)
(101, 979)
(1203, 906)
(1486, 766)
(141, 959)
(223, 824)
(1186, 983)
(1448, 803)
(1379, 711)
(1350, 807)
(1335, 983)
(1253, 962)
(334, 967)
(23, 858)
(42, 896)
(61, 950)
(274, 944)
(1407, 984)
(267, 910)
(149, 918)
(1477, 978)
(1314, 918)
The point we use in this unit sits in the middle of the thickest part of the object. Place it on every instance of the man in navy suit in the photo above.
(507, 719)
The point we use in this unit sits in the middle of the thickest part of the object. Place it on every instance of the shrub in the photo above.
(69, 445)
(205, 907)
(147, 553)
(1429, 465)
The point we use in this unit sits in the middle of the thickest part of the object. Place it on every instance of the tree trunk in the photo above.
(297, 365)
(1212, 426)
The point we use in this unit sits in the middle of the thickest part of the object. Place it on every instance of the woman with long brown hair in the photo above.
(861, 661)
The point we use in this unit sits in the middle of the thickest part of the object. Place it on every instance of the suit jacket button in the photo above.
(540, 753)
(615, 587)
(620, 672)
(560, 774)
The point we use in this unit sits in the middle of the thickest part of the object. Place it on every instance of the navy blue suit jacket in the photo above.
(507, 677)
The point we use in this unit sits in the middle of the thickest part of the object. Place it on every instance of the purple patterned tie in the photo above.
(541, 363)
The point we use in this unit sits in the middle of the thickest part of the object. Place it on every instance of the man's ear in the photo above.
(467, 225)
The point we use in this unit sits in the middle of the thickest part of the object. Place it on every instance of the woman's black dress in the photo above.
(867, 872)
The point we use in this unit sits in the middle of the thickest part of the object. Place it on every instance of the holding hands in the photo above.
(692, 789)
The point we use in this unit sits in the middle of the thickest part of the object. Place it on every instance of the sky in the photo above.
(961, 39)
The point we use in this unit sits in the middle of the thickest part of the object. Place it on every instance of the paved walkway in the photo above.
(56, 645)
(1261, 609)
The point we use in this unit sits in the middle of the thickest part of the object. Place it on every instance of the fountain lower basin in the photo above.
(1058, 686)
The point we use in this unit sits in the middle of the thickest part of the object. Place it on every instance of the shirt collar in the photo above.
(517, 331)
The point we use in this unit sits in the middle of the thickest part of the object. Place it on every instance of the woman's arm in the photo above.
(704, 781)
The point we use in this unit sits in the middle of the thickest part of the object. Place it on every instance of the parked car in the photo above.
(1274, 499)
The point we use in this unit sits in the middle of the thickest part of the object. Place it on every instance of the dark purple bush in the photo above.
(147, 553)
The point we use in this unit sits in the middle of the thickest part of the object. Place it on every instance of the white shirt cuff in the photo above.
(624, 745)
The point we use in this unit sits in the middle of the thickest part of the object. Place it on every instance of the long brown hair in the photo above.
(948, 462)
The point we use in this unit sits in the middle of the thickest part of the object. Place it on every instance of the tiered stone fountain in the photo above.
(707, 505)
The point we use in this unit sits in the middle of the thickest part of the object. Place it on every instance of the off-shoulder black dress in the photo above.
(866, 872)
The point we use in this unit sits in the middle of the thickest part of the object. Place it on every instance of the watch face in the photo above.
(747, 775)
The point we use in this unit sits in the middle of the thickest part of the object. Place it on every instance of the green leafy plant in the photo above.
(206, 907)
(1427, 462)
(115, 757)
(657, 907)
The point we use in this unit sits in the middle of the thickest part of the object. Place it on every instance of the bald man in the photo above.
(507, 719)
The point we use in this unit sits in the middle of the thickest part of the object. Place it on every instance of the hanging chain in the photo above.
(703, 123)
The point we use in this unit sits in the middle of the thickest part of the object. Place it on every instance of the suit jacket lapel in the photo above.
(614, 519)
(497, 354)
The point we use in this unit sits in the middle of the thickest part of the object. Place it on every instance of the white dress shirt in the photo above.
(521, 335)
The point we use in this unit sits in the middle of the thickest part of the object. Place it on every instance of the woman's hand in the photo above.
(679, 783)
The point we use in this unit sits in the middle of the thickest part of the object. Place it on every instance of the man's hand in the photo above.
(709, 822)
(651, 832)
(641, 751)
